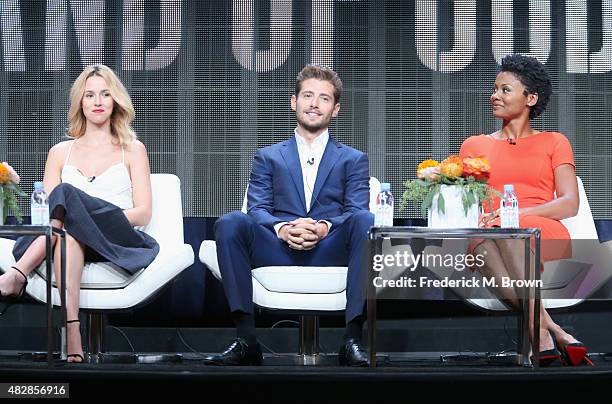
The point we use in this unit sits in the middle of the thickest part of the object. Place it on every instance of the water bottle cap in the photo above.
(508, 188)
(38, 185)
(385, 186)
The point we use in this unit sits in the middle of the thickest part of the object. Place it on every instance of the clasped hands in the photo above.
(303, 233)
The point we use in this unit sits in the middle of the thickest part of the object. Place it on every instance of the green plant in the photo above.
(9, 192)
(423, 192)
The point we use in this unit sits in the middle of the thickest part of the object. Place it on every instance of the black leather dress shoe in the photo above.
(352, 354)
(239, 353)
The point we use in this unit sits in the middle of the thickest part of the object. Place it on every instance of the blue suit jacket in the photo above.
(276, 187)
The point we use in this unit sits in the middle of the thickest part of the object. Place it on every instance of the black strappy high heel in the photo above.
(550, 357)
(10, 299)
(75, 355)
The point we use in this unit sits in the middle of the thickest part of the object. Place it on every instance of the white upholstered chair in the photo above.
(565, 282)
(105, 287)
(308, 291)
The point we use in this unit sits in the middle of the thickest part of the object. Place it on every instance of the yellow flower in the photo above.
(4, 175)
(452, 167)
(426, 164)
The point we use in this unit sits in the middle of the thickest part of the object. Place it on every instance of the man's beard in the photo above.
(324, 124)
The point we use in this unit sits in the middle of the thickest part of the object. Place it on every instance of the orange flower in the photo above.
(426, 164)
(479, 168)
(8, 174)
(4, 175)
(452, 167)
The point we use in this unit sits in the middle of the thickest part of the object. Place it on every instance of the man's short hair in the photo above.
(318, 72)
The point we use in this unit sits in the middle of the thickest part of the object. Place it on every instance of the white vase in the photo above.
(454, 215)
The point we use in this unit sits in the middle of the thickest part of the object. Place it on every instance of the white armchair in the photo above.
(105, 287)
(305, 290)
(565, 282)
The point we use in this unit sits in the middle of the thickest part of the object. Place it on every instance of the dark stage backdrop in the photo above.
(211, 80)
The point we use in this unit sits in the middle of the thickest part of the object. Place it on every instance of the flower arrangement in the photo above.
(9, 179)
(471, 174)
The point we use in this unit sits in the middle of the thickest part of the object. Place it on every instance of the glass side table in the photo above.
(378, 234)
(47, 232)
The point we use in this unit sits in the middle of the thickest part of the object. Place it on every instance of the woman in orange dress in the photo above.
(538, 164)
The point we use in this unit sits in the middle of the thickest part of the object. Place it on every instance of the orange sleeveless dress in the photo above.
(529, 165)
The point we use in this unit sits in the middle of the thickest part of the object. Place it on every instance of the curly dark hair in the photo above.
(533, 75)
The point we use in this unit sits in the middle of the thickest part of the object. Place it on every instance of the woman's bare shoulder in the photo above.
(136, 147)
(136, 154)
(60, 149)
(62, 145)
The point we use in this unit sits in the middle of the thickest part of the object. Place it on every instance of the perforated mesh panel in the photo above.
(211, 80)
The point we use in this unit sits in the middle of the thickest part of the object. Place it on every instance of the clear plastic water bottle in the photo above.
(39, 206)
(509, 212)
(384, 206)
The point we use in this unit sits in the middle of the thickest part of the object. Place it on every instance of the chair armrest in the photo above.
(208, 256)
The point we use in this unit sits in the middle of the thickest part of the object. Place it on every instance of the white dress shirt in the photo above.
(310, 158)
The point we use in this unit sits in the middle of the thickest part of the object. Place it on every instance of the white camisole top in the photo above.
(114, 185)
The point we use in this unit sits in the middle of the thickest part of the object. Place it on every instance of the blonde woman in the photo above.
(99, 189)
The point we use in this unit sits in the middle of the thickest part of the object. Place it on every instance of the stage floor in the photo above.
(279, 379)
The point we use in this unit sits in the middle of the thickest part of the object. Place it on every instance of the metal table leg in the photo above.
(64, 318)
(371, 302)
(50, 339)
(537, 301)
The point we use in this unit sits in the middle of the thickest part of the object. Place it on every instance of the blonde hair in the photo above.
(123, 110)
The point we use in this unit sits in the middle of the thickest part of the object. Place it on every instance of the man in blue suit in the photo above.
(308, 201)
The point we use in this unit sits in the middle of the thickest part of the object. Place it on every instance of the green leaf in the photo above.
(14, 188)
(471, 199)
(441, 203)
(464, 200)
(7, 194)
(427, 201)
(447, 181)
